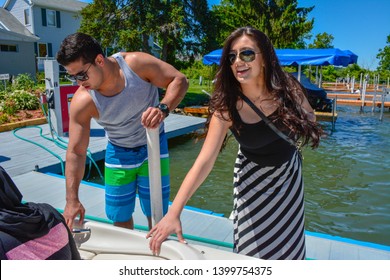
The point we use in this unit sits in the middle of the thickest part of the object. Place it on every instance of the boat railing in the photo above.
(153, 146)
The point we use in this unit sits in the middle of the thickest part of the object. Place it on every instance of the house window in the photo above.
(27, 20)
(51, 18)
(42, 50)
(8, 48)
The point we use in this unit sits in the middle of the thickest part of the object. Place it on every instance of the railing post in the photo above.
(333, 113)
(385, 91)
(153, 144)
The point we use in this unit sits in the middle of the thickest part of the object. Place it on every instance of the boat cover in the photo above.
(316, 96)
(294, 57)
(31, 231)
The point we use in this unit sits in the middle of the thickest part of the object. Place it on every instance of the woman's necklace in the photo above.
(256, 99)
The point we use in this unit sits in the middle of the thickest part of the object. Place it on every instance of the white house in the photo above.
(49, 20)
(16, 46)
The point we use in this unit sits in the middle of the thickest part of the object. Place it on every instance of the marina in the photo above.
(346, 190)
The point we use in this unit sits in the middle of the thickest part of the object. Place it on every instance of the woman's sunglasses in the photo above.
(246, 56)
(81, 76)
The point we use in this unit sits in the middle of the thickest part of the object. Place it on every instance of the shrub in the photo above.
(40, 78)
(4, 86)
(18, 100)
(4, 118)
(23, 82)
(25, 100)
(9, 107)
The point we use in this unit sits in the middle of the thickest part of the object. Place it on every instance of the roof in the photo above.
(13, 29)
(63, 5)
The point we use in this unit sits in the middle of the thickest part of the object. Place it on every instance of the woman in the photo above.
(268, 186)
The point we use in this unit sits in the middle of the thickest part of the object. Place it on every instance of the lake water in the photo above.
(347, 179)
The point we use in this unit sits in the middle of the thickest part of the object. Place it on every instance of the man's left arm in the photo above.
(162, 75)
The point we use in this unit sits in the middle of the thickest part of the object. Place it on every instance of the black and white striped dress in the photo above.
(269, 209)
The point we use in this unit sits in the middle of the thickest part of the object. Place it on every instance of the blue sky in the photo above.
(358, 25)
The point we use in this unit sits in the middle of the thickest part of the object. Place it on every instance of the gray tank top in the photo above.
(120, 115)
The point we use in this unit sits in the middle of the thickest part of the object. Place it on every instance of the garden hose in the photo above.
(39, 145)
(58, 141)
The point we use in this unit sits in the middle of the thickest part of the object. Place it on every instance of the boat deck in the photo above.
(50, 188)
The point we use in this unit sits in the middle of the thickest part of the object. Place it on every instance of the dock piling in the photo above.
(385, 91)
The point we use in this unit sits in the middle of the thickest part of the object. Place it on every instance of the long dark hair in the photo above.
(283, 87)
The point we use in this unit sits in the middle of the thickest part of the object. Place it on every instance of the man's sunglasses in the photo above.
(246, 56)
(81, 76)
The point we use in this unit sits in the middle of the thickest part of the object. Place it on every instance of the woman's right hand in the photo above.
(162, 230)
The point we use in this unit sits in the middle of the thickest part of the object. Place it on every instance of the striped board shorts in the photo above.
(127, 175)
(269, 209)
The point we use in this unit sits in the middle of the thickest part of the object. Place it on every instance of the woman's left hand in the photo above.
(159, 233)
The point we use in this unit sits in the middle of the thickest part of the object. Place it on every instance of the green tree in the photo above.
(178, 26)
(283, 21)
(322, 41)
(384, 57)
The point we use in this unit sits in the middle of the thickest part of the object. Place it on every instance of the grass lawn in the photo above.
(195, 96)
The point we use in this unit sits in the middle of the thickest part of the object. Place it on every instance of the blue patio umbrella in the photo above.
(212, 58)
(296, 57)
(315, 57)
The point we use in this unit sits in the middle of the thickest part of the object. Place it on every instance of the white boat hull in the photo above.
(107, 242)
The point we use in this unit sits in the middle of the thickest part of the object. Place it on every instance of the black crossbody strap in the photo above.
(266, 120)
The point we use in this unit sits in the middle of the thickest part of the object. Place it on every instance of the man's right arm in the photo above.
(79, 131)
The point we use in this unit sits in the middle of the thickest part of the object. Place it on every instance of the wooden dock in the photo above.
(340, 87)
(19, 157)
(203, 111)
(326, 116)
(354, 99)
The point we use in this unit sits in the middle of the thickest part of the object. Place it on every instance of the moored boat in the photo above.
(102, 241)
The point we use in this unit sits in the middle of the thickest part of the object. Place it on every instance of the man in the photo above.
(121, 93)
